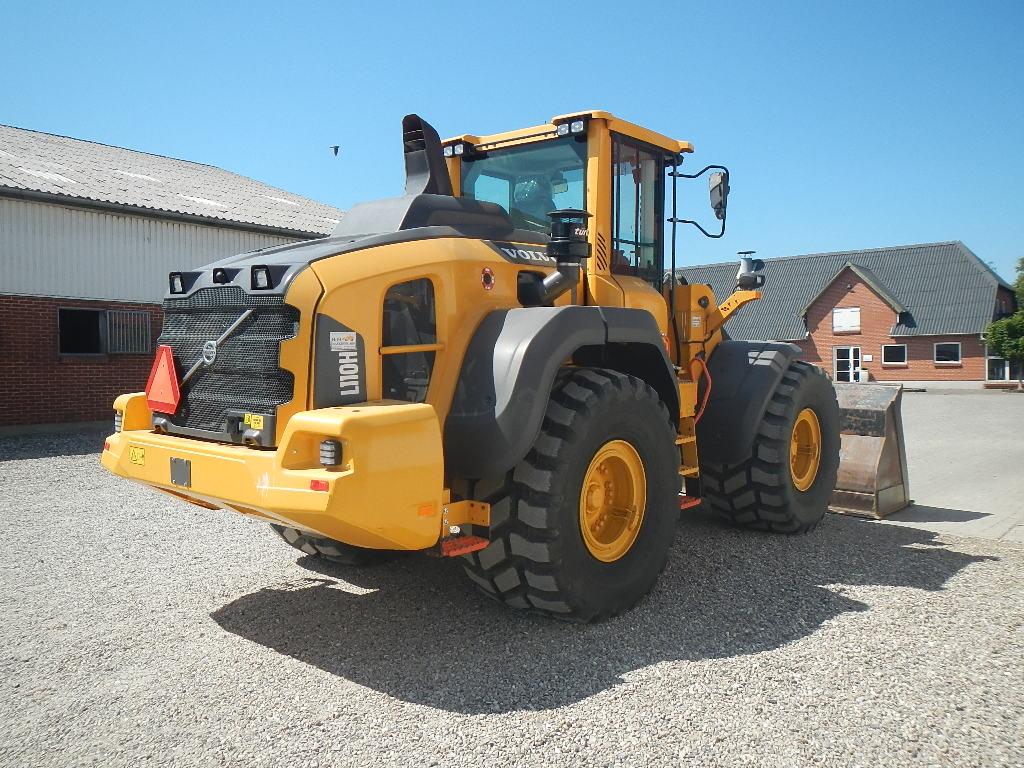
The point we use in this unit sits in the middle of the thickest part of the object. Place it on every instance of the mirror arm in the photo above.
(700, 173)
(713, 236)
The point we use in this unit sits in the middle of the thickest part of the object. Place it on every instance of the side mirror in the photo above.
(719, 192)
(719, 189)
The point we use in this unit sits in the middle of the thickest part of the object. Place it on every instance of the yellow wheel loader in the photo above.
(497, 365)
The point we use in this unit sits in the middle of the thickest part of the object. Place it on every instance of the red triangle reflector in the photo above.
(162, 392)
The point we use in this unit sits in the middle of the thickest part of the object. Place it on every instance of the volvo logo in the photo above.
(209, 352)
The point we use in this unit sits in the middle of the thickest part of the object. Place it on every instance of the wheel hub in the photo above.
(805, 449)
(612, 501)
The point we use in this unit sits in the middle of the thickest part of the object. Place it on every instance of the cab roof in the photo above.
(546, 130)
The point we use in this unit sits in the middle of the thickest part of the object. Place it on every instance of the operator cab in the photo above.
(562, 165)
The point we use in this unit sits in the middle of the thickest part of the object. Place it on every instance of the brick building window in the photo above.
(128, 332)
(101, 332)
(80, 331)
(845, 319)
(999, 369)
(894, 354)
(947, 352)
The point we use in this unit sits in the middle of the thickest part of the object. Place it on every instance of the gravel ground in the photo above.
(141, 631)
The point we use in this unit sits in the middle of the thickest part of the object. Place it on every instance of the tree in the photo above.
(1005, 338)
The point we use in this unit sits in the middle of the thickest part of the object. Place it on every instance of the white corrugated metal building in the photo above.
(88, 234)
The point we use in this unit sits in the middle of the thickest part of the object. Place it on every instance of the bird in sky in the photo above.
(335, 148)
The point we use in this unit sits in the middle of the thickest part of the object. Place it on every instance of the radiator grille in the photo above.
(246, 375)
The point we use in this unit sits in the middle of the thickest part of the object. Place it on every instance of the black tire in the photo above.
(759, 493)
(537, 558)
(329, 549)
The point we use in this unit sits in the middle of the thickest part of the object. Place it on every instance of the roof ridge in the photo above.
(984, 265)
(115, 146)
(819, 254)
(875, 283)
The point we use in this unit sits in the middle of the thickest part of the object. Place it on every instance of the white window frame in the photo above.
(889, 362)
(853, 368)
(845, 311)
(959, 354)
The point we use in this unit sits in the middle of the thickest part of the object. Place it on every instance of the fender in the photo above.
(744, 374)
(510, 366)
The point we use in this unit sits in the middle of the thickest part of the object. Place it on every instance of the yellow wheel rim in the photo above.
(612, 501)
(805, 449)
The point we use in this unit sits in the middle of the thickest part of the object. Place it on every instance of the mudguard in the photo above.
(510, 367)
(744, 375)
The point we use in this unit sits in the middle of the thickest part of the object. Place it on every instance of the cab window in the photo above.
(638, 182)
(529, 181)
(409, 320)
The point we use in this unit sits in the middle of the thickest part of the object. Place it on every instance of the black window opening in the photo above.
(409, 340)
(947, 352)
(81, 331)
(638, 216)
(529, 181)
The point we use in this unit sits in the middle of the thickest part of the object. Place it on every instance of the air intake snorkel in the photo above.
(568, 246)
(425, 169)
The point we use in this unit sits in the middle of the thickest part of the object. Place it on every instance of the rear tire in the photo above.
(328, 549)
(763, 492)
(539, 557)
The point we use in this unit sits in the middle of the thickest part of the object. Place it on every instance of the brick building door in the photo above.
(845, 363)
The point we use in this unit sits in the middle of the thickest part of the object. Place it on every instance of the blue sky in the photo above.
(845, 125)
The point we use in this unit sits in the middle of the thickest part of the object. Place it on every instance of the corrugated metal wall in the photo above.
(53, 250)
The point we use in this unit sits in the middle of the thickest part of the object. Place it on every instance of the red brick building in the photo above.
(88, 234)
(913, 314)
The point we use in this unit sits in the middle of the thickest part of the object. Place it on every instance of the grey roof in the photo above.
(943, 288)
(44, 165)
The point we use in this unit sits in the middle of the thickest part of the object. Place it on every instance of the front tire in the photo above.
(582, 526)
(786, 483)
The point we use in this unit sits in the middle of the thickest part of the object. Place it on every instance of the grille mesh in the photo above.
(246, 376)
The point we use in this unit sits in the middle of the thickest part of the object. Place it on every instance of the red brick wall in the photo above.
(876, 320)
(1006, 302)
(40, 386)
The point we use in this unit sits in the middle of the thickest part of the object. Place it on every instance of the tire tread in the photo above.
(748, 494)
(525, 542)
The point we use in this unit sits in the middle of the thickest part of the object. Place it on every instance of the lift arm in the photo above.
(717, 317)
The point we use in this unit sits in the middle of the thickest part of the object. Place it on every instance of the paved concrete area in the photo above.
(965, 450)
(140, 631)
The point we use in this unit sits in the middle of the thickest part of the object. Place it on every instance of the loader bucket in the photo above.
(872, 479)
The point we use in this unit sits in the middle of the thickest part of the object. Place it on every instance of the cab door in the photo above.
(638, 215)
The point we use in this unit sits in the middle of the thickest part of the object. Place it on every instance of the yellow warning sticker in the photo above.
(137, 455)
(254, 420)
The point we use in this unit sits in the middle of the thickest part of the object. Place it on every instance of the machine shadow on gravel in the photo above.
(425, 636)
